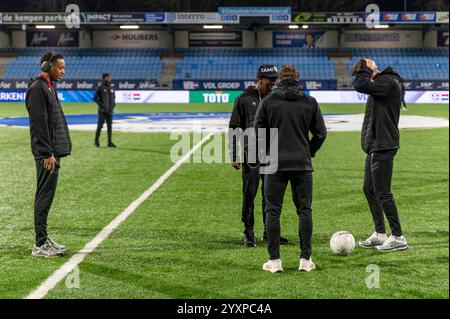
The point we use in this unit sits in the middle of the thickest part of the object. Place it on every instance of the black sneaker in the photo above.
(97, 144)
(111, 144)
(249, 240)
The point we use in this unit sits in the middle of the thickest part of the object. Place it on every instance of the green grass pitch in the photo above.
(185, 241)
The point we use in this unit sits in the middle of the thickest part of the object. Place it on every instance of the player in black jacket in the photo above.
(106, 101)
(242, 117)
(295, 115)
(380, 140)
(50, 141)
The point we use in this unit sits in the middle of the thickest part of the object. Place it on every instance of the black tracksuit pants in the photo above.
(102, 117)
(377, 188)
(250, 184)
(274, 189)
(45, 192)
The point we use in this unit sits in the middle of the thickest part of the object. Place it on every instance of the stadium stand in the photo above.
(233, 63)
(411, 63)
(226, 63)
(89, 64)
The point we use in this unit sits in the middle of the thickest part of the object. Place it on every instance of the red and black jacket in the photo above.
(48, 127)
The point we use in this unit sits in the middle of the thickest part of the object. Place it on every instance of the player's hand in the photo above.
(236, 165)
(375, 73)
(50, 164)
(371, 65)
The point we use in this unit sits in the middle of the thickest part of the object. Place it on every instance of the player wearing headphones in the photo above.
(50, 141)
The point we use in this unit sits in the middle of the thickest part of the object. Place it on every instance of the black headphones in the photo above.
(46, 66)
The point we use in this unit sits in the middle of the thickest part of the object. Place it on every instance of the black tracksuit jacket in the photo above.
(105, 98)
(380, 127)
(48, 127)
(295, 115)
(243, 115)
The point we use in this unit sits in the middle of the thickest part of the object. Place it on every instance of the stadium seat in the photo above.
(238, 63)
(410, 63)
(89, 64)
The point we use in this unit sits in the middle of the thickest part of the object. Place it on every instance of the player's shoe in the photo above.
(393, 243)
(56, 245)
(273, 266)
(249, 240)
(111, 144)
(46, 250)
(306, 265)
(374, 240)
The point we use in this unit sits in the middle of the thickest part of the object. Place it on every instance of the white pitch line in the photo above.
(76, 259)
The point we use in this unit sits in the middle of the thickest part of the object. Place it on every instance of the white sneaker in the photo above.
(56, 245)
(393, 243)
(306, 265)
(375, 240)
(46, 250)
(273, 266)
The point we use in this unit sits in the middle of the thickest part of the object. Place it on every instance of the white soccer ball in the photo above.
(342, 243)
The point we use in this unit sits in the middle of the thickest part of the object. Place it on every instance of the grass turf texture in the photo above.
(185, 241)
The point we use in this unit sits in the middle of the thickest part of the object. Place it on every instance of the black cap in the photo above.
(267, 71)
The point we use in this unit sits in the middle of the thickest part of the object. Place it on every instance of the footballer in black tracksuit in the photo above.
(242, 117)
(380, 141)
(106, 101)
(49, 137)
(295, 115)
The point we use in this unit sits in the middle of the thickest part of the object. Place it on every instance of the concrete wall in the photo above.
(264, 39)
(248, 39)
(5, 41)
(181, 39)
(85, 39)
(330, 39)
(19, 39)
(430, 39)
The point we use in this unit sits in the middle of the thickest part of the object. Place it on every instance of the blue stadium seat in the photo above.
(410, 63)
(89, 64)
(238, 63)
(226, 63)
